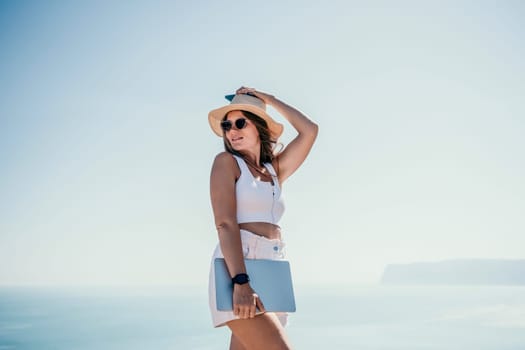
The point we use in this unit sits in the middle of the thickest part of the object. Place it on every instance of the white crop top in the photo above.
(257, 201)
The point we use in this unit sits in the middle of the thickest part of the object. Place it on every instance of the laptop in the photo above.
(270, 279)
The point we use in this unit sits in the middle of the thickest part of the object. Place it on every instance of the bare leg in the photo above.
(235, 344)
(263, 332)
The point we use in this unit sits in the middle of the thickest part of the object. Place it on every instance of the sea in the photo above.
(361, 317)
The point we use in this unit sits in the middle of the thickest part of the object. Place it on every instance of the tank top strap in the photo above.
(270, 169)
(242, 165)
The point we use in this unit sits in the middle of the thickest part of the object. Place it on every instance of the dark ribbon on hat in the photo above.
(230, 97)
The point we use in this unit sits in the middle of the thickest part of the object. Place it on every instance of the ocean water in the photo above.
(358, 317)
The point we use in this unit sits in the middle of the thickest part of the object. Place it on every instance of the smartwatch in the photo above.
(241, 278)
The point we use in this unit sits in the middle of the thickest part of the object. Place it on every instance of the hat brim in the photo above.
(216, 116)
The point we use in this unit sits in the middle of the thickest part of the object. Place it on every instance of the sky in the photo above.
(105, 148)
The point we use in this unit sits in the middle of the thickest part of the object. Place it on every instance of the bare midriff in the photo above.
(265, 229)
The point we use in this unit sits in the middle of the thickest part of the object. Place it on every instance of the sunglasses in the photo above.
(226, 125)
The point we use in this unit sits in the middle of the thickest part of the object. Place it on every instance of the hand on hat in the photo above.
(267, 98)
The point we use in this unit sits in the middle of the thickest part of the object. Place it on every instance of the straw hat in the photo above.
(248, 103)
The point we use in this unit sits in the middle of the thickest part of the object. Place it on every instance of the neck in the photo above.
(253, 156)
(253, 159)
(261, 170)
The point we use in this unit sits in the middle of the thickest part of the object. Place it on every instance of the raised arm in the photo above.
(297, 150)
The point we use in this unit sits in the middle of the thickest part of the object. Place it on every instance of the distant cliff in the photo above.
(457, 272)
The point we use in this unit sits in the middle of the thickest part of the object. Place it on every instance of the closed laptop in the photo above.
(270, 279)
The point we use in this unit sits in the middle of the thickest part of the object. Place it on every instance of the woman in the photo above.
(245, 189)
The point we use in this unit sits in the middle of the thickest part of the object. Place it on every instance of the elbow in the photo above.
(313, 130)
(226, 226)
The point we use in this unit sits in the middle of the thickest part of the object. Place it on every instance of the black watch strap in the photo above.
(241, 278)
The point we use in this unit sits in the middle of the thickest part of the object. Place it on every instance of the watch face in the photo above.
(241, 278)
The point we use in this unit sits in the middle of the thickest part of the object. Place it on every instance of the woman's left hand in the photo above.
(267, 98)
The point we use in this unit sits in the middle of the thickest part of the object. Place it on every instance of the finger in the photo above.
(245, 311)
(244, 89)
(240, 311)
(260, 305)
(253, 306)
(236, 310)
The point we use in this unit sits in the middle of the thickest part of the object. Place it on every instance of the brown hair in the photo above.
(267, 144)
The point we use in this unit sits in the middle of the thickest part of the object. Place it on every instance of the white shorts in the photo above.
(253, 247)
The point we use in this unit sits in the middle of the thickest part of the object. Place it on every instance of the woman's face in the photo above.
(246, 138)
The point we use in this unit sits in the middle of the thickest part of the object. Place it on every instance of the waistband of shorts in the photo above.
(251, 238)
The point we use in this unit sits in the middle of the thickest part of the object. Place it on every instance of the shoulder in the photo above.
(225, 163)
(224, 157)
